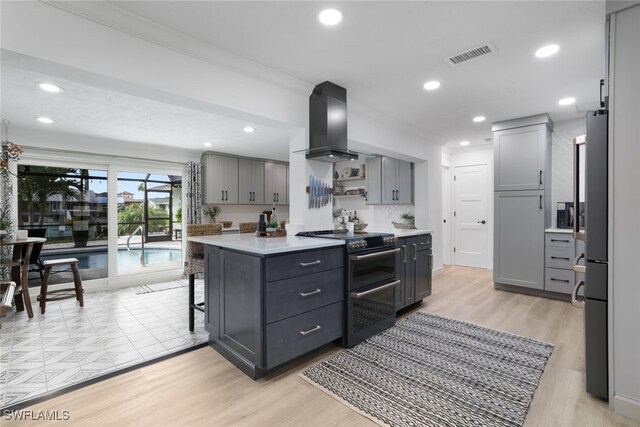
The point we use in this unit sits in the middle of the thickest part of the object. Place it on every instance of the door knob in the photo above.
(482, 222)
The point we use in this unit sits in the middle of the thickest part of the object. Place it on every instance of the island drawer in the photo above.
(422, 242)
(292, 337)
(289, 297)
(300, 263)
(559, 257)
(559, 239)
(557, 280)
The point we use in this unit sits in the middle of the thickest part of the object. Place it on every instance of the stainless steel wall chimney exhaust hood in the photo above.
(328, 124)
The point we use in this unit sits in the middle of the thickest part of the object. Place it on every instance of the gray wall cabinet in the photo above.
(276, 183)
(234, 180)
(519, 238)
(397, 188)
(388, 181)
(263, 311)
(522, 153)
(522, 167)
(416, 262)
(250, 181)
(219, 179)
(373, 180)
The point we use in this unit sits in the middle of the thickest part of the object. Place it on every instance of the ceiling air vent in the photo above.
(476, 52)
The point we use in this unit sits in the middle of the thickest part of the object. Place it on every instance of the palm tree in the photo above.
(39, 183)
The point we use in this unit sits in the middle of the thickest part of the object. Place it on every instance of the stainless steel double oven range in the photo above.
(371, 278)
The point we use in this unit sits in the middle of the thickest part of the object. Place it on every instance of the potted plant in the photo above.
(212, 212)
(5, 226)
(79, 230)
(408, 218)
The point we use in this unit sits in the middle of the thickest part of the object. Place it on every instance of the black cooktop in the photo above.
(355, 241)
(336, 234)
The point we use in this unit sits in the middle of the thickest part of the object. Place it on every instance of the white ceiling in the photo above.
(382, 53)
(88, 110)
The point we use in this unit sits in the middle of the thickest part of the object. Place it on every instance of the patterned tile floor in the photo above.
(69, 344)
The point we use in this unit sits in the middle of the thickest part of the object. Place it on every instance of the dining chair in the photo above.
(194, 259)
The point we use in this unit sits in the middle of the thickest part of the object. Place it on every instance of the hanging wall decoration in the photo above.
(320, 193)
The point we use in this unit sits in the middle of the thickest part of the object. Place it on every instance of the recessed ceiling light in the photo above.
(49, 87)
(208, 144)
(567, 101)
(464, 143)
(330, 17)
(431, 85)
(479, 119)
(549, 50)
(249, 129)
(45, 120)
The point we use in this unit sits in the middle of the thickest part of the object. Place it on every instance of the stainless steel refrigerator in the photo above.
(591, 187)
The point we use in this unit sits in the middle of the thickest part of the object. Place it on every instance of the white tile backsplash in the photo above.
(380, 216)
(246, 213)
(562, 162)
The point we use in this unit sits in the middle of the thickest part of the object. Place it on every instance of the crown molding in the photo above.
(113, 17)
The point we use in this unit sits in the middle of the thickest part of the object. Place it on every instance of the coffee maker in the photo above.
(565, 215)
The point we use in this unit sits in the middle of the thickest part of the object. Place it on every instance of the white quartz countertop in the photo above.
(401, 232)
(265, 245)
(559, 230)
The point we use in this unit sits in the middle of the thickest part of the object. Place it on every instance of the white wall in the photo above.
(477, 155)
(624, 208)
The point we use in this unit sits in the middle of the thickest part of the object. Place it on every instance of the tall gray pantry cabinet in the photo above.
(522, 181)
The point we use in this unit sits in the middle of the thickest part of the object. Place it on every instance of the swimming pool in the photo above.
(96, 259)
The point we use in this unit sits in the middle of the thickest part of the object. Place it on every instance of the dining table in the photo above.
(19, 265)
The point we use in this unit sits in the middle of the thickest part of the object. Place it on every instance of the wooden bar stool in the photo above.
(76, 291)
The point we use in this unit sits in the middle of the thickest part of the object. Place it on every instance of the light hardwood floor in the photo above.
(202, 388)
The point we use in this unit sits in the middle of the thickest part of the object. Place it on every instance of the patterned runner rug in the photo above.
(429, 370)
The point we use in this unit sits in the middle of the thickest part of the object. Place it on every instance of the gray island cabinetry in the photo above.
(415, 265)
(268, 301)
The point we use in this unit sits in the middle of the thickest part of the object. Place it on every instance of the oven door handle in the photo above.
(374, 255)
(358, 295)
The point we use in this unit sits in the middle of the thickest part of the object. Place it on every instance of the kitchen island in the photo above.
(270, 300)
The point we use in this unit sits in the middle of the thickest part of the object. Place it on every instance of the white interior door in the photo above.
(470, 216)
(447, 195)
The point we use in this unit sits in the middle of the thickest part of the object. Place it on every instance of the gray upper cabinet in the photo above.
(519, 238)
(522, 150)
(219, 179)
(250, 181)
(396, 182)
(373, 180)
(276, 183)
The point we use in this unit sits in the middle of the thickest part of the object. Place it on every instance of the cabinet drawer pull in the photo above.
(316, 328)
(376, 254)
(424, 243)
(559, 240)
(560, 257)
(540, 177)
(404, 254)
(415, 252)
(309, 264)
(222, 198)
(559, 280)
(317, 291)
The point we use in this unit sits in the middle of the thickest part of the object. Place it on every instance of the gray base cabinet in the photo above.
(263, 311)
(519, 239)
(415, 261)
(522, 179)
